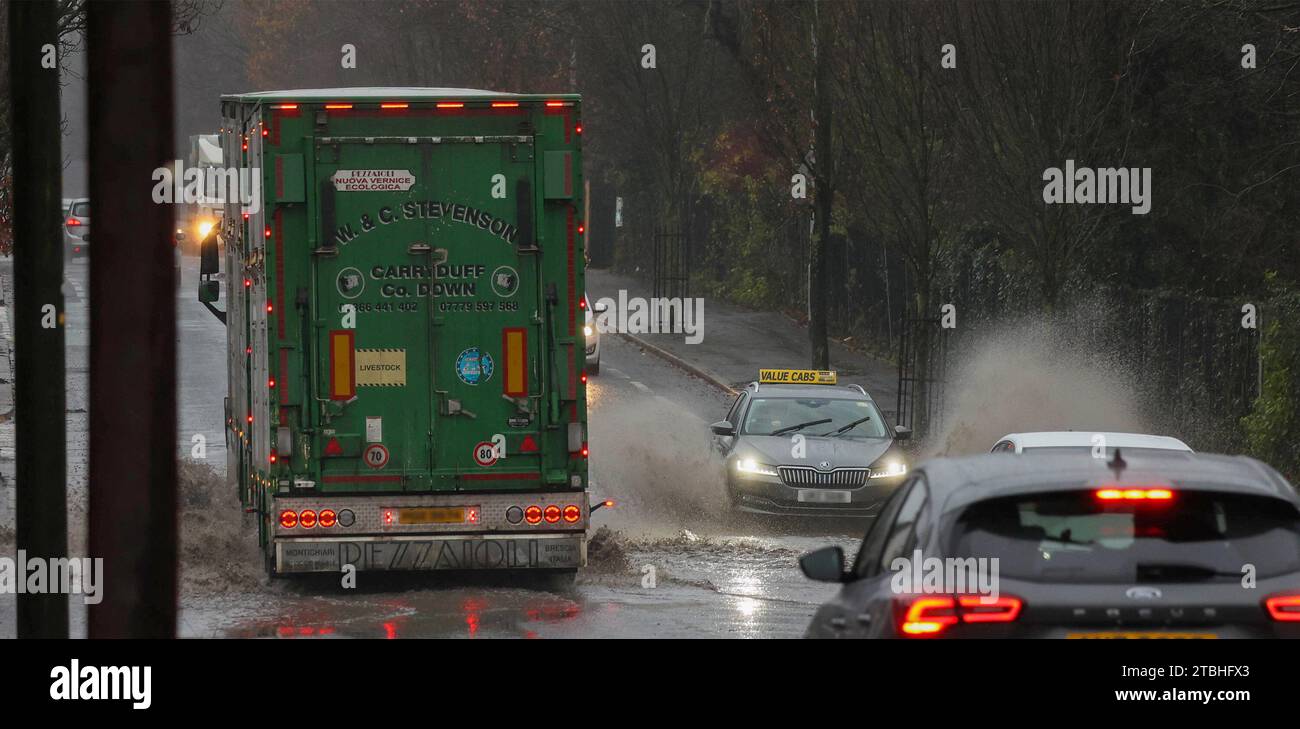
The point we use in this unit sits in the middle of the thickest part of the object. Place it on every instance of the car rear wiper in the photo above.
(1155, 571)
(800, 426)
(848, 427)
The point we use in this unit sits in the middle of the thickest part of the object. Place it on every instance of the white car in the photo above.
(1084, 441)
(592, 333)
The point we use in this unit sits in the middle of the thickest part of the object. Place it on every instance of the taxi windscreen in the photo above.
(814, 416)
(1075, 536)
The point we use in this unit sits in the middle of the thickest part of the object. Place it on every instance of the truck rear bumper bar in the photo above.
(412, 552)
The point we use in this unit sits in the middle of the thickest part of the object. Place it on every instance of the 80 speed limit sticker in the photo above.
(375, 455)
(485, 454)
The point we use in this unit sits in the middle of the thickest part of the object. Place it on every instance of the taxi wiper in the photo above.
(849, 427)
(800, 426)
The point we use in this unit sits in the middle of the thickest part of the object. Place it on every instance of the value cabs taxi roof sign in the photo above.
(797, 377)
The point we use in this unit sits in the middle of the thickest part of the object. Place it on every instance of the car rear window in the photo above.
(1074, 536)
(81, 209)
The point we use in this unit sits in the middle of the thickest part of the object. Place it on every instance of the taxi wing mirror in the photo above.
(902, 432)
(723, 427)
(824, 565)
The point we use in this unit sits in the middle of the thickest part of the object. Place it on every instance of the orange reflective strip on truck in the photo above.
(514, 350)
(343, 378)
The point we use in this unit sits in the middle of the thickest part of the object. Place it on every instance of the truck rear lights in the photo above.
(307, 519)
(552, 514)
(286, 107)
(347, 518)
(1135, 494)
(1284, 608)
(932, 615)
(328, 518)
(393, 106)
(505, 104)
(450, 105)
(578, 129)
(514, 515)
(533, 514)
(338, 106)
(272, 457)
(288, 519)
(572, 513)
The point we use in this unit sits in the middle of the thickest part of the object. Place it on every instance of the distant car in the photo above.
(794, 447)
(1141, 546)
(76, 228)
(592, 333)
(1082, 441)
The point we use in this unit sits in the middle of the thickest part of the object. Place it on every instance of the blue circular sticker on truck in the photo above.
(473, 366)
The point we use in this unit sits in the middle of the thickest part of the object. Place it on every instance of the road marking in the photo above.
(606, 369)
(641, 386)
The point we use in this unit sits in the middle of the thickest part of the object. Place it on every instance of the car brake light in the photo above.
(572, 513)
(928, 616)
(73, 222)
(328, 518)
(1135, 494)
(307, 518)
(288, 519)
(533, 514)
(977, 609)
(1284, 608)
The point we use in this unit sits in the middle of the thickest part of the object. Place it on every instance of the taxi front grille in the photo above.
(804, 477)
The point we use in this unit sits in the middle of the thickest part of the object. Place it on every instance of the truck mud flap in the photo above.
(420, 553)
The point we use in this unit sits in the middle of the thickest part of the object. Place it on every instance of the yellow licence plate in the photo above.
(432, 515)
(1141, 635)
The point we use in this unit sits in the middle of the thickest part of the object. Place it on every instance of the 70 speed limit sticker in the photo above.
(485, 454)
(375, 455)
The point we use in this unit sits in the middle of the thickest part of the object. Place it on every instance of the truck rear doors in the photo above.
(427, 309)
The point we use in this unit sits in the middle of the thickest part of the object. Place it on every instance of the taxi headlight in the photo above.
(749, 465)
(587, 330)
(891, 469)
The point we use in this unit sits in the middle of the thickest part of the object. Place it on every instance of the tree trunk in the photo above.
(823, 190)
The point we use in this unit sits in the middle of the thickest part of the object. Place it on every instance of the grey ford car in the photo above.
(1173, 545)
(809, 449)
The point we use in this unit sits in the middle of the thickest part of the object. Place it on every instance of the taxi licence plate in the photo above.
(432, 515)
(824, 496)
(1140, 635)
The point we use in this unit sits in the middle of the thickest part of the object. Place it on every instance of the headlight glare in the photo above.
(749, 465)
(891, 469)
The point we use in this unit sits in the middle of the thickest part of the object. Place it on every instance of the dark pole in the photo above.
(39, 397)
(132, 321)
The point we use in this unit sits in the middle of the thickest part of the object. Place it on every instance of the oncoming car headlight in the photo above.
(891, 469)
(588, 330)
(749, 465)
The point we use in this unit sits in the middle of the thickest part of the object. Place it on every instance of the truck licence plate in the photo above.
(824, 496)
(431, 515)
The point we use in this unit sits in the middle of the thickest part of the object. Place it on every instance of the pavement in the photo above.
(737, 341)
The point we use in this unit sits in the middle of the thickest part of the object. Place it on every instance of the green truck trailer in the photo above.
(404, 306)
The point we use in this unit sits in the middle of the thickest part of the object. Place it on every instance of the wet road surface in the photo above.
(671, 563)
